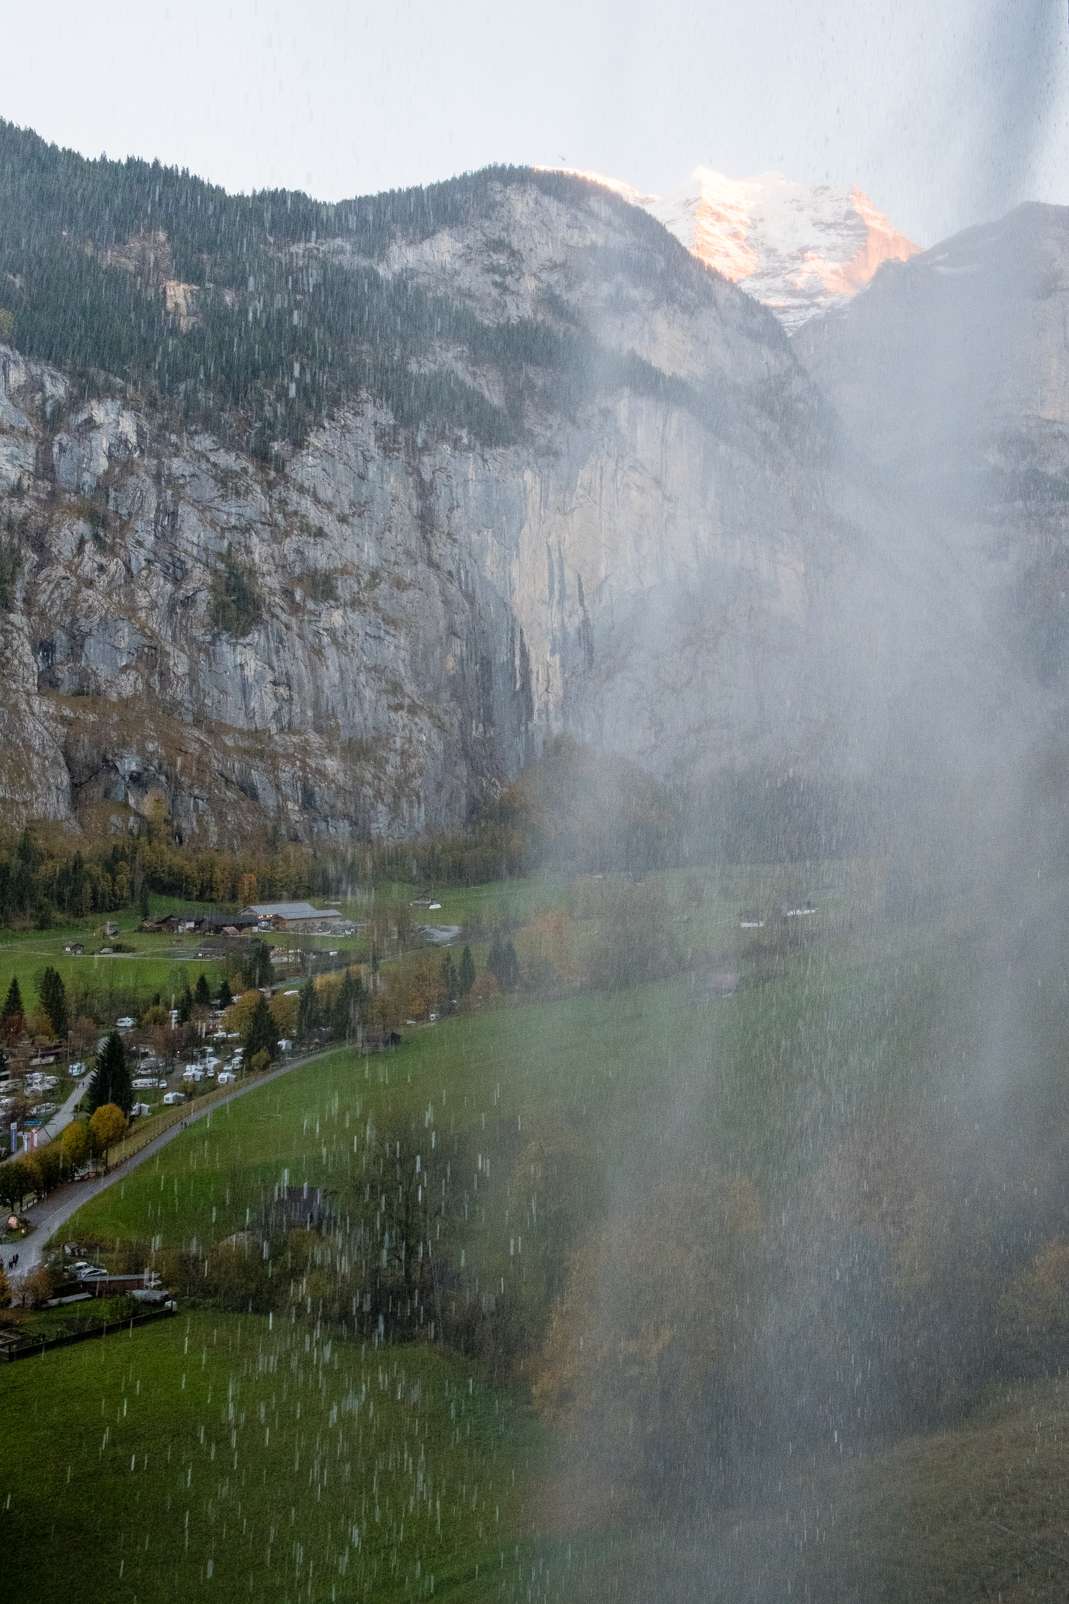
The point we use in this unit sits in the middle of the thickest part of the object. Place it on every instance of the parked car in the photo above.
(125, 1023)
(142, 1083)
(139, 1109)
(171, 1098)
(226, 1076)
(77, 1069)
(161, 1084)
(92, 1272)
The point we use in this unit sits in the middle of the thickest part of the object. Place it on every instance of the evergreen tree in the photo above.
(258, 970)
(307, 1009)
(503, 963)
(347, 1007)
(265, 974)
(53, 995)
(185, 1005)
(13, 1008)
(110, 1082)
(449, 979)
(143, 906)
(261, 1035)
(510, 967)
(225, 996)
(202, 992)
(466, 977)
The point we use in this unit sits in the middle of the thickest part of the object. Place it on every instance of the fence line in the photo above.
(32, 1349)
(147, 1132)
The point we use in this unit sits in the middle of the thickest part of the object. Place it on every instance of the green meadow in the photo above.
(273, 1459)
(227, 1456)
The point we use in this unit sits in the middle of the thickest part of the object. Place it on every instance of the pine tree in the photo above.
(510, 967)
(449, 979)
(261, 1035)
(202, 992)
(307, 1009)
(503, 963)
(111, 1077)
(53, 995)
(185, 1005)
(258, 970)
(13, 1008)
(225, 996)
(265, 974)
(466, 978)
(143, 905)
(345, 1013)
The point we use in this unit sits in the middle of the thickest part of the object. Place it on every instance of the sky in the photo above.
(946, 111)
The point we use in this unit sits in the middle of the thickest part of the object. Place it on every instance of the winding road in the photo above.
(51, 1212)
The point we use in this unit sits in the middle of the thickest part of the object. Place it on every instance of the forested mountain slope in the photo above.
(325, 515)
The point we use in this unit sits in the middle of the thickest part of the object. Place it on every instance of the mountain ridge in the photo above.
(799, 249)
(325, 518)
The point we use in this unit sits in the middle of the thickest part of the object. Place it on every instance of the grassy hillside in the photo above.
(229, 1455)
(226, 1456)
(959, 1517)
(603, 1066)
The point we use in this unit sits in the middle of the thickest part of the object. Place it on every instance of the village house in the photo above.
(207, 923)
(292, 916)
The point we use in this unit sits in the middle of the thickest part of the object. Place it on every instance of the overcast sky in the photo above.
(944, 110)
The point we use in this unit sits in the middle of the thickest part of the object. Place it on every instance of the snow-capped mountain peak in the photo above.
(799, 248)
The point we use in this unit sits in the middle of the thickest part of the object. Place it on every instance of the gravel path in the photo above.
(51, 1212)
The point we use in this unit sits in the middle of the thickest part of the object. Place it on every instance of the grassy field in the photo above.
(217, 1456)
(161, 964)
(756, 1071)
(108, 983)
(222, 1455)
(281, 1463)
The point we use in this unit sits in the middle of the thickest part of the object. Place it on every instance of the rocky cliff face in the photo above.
(377, 626)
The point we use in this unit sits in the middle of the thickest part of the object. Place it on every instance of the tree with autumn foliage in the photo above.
(551, 952)
(106, 1127)
(645, 1359)
(1034, 1312)
(74, 1145)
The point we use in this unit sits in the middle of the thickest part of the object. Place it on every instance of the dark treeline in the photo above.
(574, 810)
(42, 877)
(587, 812)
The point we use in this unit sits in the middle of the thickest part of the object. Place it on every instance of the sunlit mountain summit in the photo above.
(798, 248)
